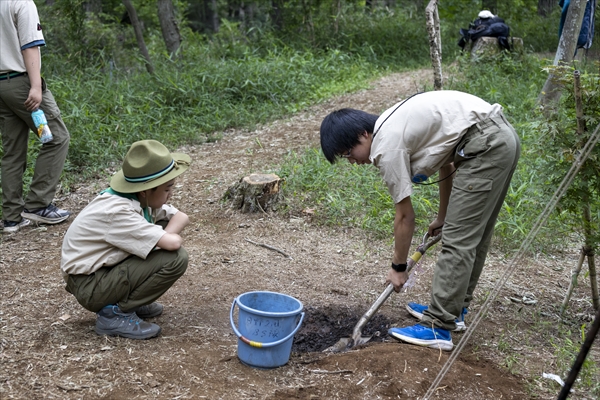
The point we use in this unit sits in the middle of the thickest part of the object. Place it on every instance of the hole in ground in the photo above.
(323, 327)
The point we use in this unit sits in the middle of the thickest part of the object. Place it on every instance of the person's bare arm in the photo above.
(445, 188)
(170, 242)
(177, 223)
(404, 227)
(33, 64)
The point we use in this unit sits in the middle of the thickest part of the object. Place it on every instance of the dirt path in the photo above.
(49, 348)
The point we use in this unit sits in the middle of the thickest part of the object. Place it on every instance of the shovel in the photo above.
(357, 339)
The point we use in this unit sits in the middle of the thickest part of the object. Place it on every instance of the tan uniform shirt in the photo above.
(420, 136)
(107, 231)
(19, 29)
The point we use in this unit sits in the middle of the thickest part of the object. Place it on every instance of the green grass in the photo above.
(347, 194)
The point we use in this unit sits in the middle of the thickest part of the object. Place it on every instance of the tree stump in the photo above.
(488, 46)
(256, 192)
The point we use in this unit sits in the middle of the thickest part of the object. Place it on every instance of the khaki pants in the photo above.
(486, 158)
(132, 283)
(15, 126)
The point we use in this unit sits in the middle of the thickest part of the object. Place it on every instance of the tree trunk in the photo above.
(435, 43)
(308, 20)
(545, 7)
(93, 6)
(138, 34)
(168, 25)
(214, 16)
(277, 14)
(338, 14)
(488, 46)
(490, 5)
(256, 192)
(565, 51)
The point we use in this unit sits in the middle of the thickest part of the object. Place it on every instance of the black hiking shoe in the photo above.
(149, 310)
(112, 321)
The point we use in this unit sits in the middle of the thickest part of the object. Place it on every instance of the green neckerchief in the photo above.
(132, 196)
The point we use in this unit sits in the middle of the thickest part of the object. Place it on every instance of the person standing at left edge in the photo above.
(22, 91)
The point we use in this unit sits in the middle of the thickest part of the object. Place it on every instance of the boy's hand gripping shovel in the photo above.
(357, 339)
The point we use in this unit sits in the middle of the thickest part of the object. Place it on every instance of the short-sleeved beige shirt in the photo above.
(419, 137)
(19, 27)
(107, 231)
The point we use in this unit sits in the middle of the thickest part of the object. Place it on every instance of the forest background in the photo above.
(197, 69)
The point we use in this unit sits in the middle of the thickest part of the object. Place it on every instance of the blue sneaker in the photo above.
(416, 310)
(436, 338)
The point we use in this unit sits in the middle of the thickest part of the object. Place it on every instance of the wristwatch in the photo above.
(399, 267)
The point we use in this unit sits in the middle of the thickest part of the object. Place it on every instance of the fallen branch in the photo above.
(266, 246)
(72, 388)
(339, 371)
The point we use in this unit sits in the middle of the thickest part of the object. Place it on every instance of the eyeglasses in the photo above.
(346, 155)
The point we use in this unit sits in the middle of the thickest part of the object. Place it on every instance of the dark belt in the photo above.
(12, 74)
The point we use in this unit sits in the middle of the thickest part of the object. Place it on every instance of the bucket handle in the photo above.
(260, 344)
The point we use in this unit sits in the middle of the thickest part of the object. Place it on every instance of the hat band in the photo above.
(147, 178)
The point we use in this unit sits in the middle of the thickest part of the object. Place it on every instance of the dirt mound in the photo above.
(323, 327)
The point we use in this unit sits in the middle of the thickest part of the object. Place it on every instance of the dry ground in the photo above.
(49, 349)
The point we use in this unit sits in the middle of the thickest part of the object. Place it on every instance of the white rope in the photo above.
(560, 191)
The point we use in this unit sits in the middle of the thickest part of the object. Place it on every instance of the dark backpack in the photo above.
(492, 27)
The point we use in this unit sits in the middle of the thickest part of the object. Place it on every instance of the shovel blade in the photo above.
(345, 344)
(341, 345)
(361, 340)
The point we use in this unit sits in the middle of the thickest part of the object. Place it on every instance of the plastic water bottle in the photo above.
(43, 131)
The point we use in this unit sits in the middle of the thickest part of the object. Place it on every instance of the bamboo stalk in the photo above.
(578, 104)
(573, 282)
(593, 281)
(589, 248)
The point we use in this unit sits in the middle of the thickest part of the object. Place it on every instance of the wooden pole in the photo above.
(137, 28)
(573, 283)
(578, 103)
(589, 249)
(435, 42)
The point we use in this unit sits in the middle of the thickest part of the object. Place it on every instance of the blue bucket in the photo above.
(268, 322)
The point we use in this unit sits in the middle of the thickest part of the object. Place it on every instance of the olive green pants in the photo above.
(132, 283)
(15, 126)
(485, 158)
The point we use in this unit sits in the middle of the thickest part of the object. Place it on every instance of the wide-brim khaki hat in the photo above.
(148, 164)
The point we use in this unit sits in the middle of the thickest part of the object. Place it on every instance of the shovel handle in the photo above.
(410, 263)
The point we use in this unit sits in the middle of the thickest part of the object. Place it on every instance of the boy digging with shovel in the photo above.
(475, 150)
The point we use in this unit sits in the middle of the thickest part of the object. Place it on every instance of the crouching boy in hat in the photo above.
(123, 251)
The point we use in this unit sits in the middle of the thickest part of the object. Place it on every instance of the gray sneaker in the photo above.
(112, 321)
(149, 310)
(47, 215)
(12, 226)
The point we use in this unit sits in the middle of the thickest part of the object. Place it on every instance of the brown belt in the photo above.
(478, 127)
